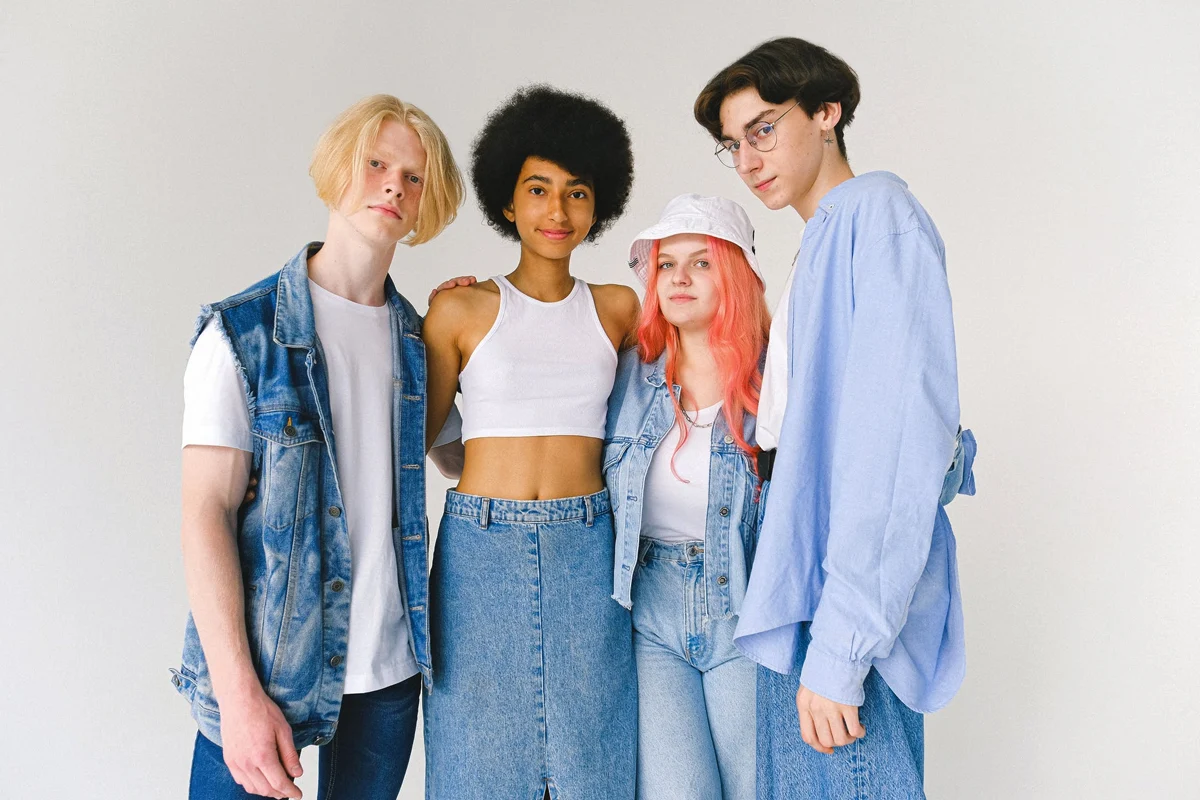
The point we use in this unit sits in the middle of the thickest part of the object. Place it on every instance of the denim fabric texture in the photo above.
(696, 692)
(292, 537)
(366, 760)
(534, 685)
(887, 764)
(853, 537)
(640, 413)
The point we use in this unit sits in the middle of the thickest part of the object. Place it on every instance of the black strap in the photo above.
(766, 464)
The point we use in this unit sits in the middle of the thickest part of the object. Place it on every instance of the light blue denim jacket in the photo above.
(292, 537)
(640, 413)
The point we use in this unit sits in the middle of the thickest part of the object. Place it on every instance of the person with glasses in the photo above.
(534, 691)
(853, 608)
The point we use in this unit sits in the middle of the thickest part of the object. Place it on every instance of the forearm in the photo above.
(215, 591)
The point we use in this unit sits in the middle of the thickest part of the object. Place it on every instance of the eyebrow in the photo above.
(750, 124)
(572, 182)
(700, 252)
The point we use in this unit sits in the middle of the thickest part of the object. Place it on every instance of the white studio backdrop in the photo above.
(154, 157)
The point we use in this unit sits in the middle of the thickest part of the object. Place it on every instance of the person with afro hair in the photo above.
(534, 687)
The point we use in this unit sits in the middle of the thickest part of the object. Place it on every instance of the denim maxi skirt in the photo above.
(534, 683)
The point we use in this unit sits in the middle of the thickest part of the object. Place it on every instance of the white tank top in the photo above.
(544, 369)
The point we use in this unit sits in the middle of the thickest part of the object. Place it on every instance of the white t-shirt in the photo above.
(674, 511)
(772, 399)
(357, 343)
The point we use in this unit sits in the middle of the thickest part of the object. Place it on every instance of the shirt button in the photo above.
(334, 511)
(175, 680)
(337, 586)
(336, 661)
(288, 430)
(728, 439)
(724, 512)
(722, 580)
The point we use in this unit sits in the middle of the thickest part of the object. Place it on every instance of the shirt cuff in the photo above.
(452, 430)
(833, 678)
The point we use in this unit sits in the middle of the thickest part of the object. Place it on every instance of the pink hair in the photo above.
(736, 336)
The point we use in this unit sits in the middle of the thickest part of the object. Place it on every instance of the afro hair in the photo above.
(575, 132)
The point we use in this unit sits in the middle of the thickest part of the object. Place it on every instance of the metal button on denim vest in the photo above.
(640, 413)
(293, 541)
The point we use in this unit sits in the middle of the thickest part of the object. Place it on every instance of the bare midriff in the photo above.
(532, 467)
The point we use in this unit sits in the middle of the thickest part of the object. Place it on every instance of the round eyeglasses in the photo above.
(760, 136)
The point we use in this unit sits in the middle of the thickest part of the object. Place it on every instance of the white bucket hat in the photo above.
(691, 213)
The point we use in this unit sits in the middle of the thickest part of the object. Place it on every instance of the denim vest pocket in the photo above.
(290, 446)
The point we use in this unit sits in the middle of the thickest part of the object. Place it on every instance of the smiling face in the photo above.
(552, 209)
(386, 209)
(684, 282)
(787, 174)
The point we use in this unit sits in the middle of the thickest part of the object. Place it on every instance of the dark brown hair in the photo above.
(783, 70)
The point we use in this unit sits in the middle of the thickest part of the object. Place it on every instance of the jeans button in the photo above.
(288, 430)
(722, 580)
(337, 586)
(334, 511)
(724, 511)
(320, 740)
(336, 661)
(728, 439)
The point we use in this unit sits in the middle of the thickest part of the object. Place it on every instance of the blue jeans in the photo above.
(887, 764)
(534, 685)
(365, 760)
(695, 690)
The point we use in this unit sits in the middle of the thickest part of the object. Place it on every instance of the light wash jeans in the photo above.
(887, 764)
(534, 686)
(696, 705)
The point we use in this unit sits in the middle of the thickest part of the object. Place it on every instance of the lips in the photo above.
(554, 235)
(387, 211)
(681, 298)
(762, 187)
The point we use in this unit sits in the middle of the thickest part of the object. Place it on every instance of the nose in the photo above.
(680, 276)
(393, 184)
(747, 159)
(555, 208)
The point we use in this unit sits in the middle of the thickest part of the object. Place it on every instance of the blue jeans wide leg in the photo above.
(365, 760)
(696, 705)
(887, 764)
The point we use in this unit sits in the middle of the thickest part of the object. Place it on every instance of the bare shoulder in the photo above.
(463, 314)
(618, 307)
(615, 298)
(452, 306)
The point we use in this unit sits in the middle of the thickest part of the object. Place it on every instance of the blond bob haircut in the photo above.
(340, 159)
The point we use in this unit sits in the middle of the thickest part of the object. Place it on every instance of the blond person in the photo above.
(308, 622)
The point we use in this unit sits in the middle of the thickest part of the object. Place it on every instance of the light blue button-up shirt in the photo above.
(854, 539)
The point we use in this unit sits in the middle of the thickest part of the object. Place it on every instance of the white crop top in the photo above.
(544, 369)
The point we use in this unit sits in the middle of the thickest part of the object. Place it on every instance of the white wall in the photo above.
(153, 156)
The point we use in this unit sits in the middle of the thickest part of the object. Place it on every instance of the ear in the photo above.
(831, 114)
(509, 214)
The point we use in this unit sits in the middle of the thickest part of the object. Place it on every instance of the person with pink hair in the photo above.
(680, 465)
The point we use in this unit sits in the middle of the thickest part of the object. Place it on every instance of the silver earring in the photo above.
(829, 138)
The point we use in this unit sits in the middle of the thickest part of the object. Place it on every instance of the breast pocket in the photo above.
(291, 446)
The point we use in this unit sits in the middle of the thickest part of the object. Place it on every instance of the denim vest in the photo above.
(640, 413)
(292, 537)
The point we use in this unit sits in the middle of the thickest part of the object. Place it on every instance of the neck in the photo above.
(545, 279)
(834, 170)
(696, 370)
(350, 266)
